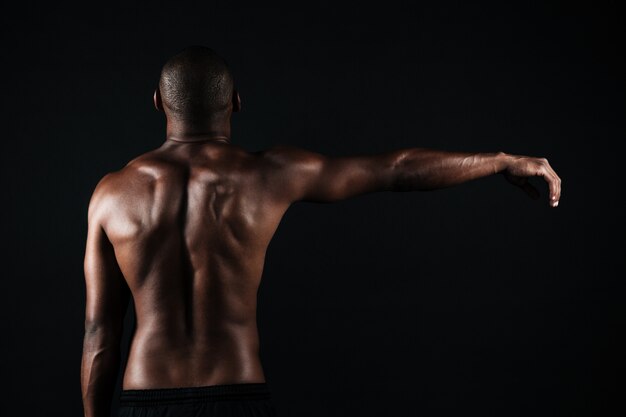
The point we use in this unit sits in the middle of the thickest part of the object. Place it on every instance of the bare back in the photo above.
(184, 229)
(190, 225)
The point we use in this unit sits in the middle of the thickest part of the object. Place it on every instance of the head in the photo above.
(196, 85)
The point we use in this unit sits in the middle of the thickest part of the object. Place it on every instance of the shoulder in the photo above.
(99, 197)
(112, 183)
(288, 172)
(105, 190)
(288, 156)
(134, 178)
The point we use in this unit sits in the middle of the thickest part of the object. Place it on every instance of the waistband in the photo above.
(224, 392)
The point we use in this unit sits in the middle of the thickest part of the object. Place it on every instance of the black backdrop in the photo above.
(473, 300)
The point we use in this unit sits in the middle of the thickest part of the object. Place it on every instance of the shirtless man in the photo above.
(184, 229)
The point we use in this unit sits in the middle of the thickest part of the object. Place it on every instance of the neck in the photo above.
(207, 131)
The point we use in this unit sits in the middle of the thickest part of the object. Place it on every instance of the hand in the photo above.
(520, 168)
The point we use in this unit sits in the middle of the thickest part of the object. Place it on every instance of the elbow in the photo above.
(398, 178)
(103, 333)
(392, 168)
(411, 171)
(93, 327)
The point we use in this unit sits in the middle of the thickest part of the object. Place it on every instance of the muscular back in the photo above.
(190, 225)
(184, 230)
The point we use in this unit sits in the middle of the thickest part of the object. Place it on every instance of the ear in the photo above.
(236, 101)
(158, 104)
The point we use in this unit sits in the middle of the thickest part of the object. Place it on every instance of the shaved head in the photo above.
(195, 83)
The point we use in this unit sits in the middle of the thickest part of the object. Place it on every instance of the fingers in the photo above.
(528, 167)
(557, 197)
(554, 183)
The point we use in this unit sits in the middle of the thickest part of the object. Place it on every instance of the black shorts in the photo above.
(232, 400)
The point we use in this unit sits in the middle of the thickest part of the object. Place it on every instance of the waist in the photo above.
(188, 369)
(185, 395)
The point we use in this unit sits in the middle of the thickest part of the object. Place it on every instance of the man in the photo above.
(183, 229)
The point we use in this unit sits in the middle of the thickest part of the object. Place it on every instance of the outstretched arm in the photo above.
(302, 175)
(107, 299)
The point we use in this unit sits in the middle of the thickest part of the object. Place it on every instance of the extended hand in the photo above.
(520, 168)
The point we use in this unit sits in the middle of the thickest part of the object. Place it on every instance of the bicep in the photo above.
(107, 293)
(304, 175)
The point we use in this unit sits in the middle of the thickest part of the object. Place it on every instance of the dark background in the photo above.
(473, 300)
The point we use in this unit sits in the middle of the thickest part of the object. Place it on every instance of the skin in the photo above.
(183, 230)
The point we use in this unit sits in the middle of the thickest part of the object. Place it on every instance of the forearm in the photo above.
(99, 369)
(429, 169)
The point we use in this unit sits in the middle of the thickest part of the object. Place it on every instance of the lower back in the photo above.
(168, 359)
